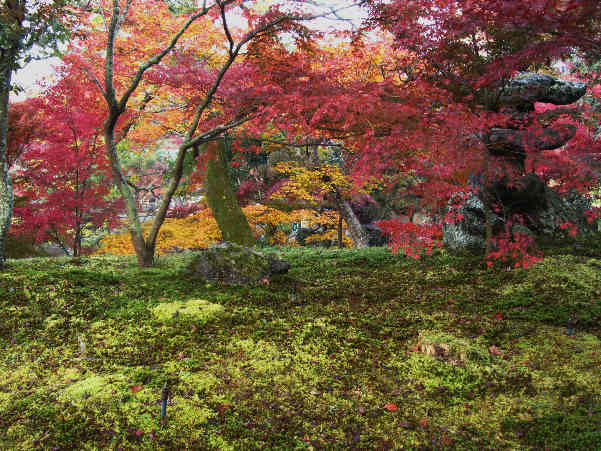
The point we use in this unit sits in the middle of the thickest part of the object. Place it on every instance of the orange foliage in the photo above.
(200, 230)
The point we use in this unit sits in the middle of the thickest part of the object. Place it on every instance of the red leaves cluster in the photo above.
(412, 239)
(517, 249)
(62, 175)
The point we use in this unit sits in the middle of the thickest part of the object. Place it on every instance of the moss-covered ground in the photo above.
(350, 350)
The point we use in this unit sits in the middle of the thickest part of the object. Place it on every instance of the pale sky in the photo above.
(34, 72)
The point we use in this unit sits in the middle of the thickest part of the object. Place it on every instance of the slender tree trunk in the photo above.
(6, 191)
(488, 245)
(356, 231)
(488, 229)
(144, 252)
(340, 242)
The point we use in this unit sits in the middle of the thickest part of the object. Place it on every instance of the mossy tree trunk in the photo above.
(222, 199)
(6, 193)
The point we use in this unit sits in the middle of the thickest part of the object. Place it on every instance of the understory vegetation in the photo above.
(352, 349)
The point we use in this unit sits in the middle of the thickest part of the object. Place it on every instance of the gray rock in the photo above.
(543, 209)
(527, 88)
(375, 235)
(544, 213)
(469, 232)
(235, 264)
(513, 143)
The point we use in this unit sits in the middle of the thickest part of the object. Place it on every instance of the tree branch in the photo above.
(156, 59)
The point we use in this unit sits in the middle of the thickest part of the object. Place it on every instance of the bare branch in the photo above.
(225, 28)
(124, 15)
(215, 132)
(109, 86)
(95, 80)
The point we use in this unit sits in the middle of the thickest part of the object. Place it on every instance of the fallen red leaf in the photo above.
(135, 388)
(446, 440)
(391, 407)
(499, 316)
(139, 432)
(494, 350)
(223, 408)
(424, 422)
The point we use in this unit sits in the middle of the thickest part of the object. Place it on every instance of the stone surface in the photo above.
(469, 232)
(544, 209)
(513, 143)
(375, 235)
(234, 264)
(528, 88)
(518, 97)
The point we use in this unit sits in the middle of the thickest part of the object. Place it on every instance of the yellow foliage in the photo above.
(201, 230)
(307, 183)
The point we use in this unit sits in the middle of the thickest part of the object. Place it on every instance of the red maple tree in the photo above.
(62, 174)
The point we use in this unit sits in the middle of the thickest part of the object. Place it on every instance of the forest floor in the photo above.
(371, 351)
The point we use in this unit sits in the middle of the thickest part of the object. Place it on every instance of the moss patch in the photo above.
(338, 354)
(198, 309)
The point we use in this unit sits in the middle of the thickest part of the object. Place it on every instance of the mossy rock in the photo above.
(197, 309)
(234, 264)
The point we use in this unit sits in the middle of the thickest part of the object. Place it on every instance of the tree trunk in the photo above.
(222, 199)
(144, 252)
(340, 242)
(488, 230)
(356, 231)
(6, 192)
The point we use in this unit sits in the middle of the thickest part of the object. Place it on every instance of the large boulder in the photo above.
(235, 264)
(544, 210)
(468, 232)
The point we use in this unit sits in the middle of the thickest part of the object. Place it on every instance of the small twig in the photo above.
(164, 397)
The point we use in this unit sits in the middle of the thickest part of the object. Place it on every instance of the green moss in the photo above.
(93, 387)
(22, 247)
(197, 309)
(338, 349)
(447, 346)
(54, 321)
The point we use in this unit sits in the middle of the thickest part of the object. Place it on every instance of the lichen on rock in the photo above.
(234, 264)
